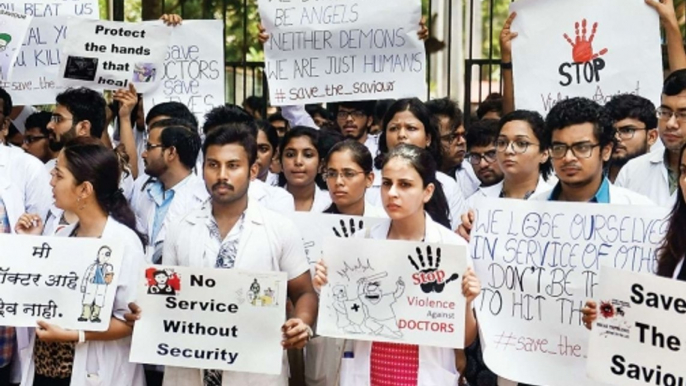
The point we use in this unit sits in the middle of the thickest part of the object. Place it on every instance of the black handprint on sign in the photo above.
(344, 229)
(429, 277)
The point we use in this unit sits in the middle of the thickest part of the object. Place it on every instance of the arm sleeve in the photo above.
(293, 260)
(37, 194)
(297, 116)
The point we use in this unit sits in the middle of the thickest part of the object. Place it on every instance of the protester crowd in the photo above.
(166, 187)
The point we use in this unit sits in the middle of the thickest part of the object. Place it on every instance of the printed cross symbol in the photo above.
(582, 49)
(355, 307)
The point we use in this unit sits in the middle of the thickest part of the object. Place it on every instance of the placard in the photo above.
(13, 27)
(315, 227)
(343, 50)
(34, 79)
(223, 319)
(193, 68)
(393, 291)
(108, 55)
(66, 281)
(584, 48)
(538, 263)
(638, 336)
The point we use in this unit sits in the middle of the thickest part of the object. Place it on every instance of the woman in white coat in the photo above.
(85, 181)
(418, 211)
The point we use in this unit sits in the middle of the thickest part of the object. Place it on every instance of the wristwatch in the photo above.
(506, 65)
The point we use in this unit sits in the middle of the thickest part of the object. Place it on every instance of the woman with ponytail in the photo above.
(85, 181)
(414, 201)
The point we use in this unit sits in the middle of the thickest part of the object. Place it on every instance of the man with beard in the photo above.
(354, 119)
(232, 231)
(636, 124)
(169, 157)
(481, 138)
(656, 174)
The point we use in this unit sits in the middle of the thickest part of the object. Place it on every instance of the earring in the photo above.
(78, 199)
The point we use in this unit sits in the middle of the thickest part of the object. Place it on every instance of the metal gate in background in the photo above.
(462, 51)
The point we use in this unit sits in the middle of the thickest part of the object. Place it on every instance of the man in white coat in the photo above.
(169, 157)
(234, 231)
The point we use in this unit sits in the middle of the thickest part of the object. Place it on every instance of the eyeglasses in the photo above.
(580, 150)
(347, 174)
(519, 146)
(475, 158)
(665, 114)
(355, 114)
(149, 146)
(452, 137)
(55, 118)
(28, 139)
(628, 132)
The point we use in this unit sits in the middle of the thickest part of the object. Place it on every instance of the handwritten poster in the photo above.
(315, 227)
(13, 27)
(638, 336)
(343, 50)
(108, 55)
(538, 263)
(70, 282)
(584, 48)
(224, 319)
(393, 291)
(193, 68)
(34, 79)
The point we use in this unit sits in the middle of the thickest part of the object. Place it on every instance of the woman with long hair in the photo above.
(414, 201)
(85, 181)
(409, 121)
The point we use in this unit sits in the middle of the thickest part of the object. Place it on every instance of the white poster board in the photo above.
(109, 55)
(584, 48)
(343, 50)
(66, 281)
(34, 79)
(393, 291)
(13, 28)
(193, 68)
(639, 334)
(538, 263)
(315, 227)
(223, 319)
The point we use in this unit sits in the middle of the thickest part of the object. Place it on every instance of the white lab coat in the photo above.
(109, 360)
(467, 179)
(269, 242)
(436, 365)
(24, 184)
(452, 191)
(190, 194)
(493, 191)
(271, 197)
(647, 175)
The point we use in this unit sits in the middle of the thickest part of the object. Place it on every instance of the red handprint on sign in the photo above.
(582, 49)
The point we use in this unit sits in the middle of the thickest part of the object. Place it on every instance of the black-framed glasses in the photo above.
(580, 149)
(347, 174)
(475, 158)
(519, 146)
(357, 114)
(149, 146)
(628, 132)
(29, 139)
(665, 114)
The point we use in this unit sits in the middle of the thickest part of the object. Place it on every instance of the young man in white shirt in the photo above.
(636, 125)
(656, 174)
(237, 232)
(169, 158)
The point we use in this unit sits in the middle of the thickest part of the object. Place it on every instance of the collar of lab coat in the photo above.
(252, 214)
(432, 230)
(108, 231)
(657, 157)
